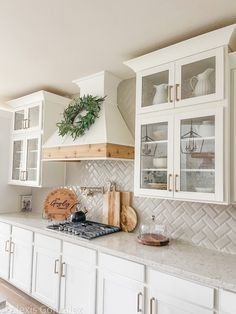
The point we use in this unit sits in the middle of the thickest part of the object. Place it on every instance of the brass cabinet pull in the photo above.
(152, 300)
(63, 273)
(12, 247)
(176, 176)
(26, 123)
(7, 246)
(176, 92)
(169, 186)
(169, 93)
(25, 175)
(139, 296)
(55, 266)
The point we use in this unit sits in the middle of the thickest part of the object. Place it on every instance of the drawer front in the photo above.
(122, 267)
(22, 235)
(47, 243)
(78, 252)
(227, 302)
(181, 289)
(5, 229)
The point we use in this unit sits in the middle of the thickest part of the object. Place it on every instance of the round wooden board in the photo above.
(153, 239)
(128, 218)
(60, 203)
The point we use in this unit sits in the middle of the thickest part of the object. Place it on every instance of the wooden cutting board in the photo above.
(128, 217)
(60, 203)
(111, 207)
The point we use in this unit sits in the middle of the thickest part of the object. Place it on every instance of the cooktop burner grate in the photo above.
(86, 229)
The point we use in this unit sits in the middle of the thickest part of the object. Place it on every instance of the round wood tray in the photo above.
(153, 239)
(60, 203)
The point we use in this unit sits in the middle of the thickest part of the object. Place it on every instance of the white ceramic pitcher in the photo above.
(201, 83)
(161, 94)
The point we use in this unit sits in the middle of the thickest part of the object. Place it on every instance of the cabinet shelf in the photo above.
(155, 142)
(154, 169)
(197, 170)
(206, 138)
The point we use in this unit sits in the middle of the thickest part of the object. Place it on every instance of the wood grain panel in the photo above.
(103, 150)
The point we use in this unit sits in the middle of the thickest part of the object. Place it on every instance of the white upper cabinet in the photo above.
(28, 118)
(182, 146)
(200, 78)
(155, 88)
(35, 118)
(188, 81)
(176, 155)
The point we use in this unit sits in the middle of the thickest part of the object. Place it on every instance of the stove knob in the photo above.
(61, 228)
(70, 229)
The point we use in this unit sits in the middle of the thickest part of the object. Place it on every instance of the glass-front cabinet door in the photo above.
(28, 118)
(17, 160)
(154, 156)
(32, 159)
(199, 155)
(155, 88)
(200, 78)
(25, 165)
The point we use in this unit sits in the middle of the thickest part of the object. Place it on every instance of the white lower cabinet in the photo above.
(120, 286)
(171, 295)
(46, 270)
(78, 280)
(21, 250)
(5, 232)
(227, 302)
(64, 277)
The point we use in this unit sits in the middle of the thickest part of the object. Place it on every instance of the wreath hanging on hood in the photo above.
(80, 114)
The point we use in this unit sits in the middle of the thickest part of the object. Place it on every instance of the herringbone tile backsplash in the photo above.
(208, 225)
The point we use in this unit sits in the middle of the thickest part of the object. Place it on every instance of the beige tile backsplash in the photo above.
(208, 225)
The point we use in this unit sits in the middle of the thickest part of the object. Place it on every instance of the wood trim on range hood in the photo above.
(88, 151)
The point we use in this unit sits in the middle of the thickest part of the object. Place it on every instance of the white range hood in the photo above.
(109, 137)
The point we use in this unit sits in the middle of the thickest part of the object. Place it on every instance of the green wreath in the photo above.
(76, 124)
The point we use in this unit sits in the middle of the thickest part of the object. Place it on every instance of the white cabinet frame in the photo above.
(139, 81)
(149, 119)
(218, 53)
(23, 178)
(219, 156)
(26, 118)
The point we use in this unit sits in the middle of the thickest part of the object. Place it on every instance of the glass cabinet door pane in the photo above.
(198, 78)
(33, 116)
(155, 88)
(154, 156)
(19, 120)
(197, 160)
(32, 159)
(18, 159)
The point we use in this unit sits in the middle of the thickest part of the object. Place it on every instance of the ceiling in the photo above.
(45, 44)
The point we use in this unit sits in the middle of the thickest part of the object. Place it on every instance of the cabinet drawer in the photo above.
(122, 267)
(180, 288)
(5, 229)
(227, 302)
(78, 252)
(22, 235)
(47, 243)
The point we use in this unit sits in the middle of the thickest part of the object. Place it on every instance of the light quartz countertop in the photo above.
(208, 267)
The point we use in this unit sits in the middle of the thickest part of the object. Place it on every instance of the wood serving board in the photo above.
(60, 203)
(128, 215)
(153, 239)
(111, 207)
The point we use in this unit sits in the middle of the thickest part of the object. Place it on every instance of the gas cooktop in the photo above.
(86, 229)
